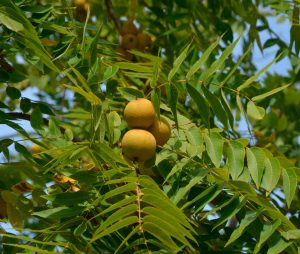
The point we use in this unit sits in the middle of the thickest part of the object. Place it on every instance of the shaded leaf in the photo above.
(202, 105)
(202, 59)
(245, 222)
(59, 212)
(266, 232)
(13, 92)
(277, 245)
(216, 65)
(177, 63)
(216, 106)
(250, 80)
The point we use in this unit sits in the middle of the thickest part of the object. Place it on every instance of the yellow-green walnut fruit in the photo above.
(139, 113)
(138, 145)
(161, 130)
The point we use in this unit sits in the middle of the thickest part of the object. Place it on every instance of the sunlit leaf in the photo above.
(289, 184)
(271, 174)
(254, 111)
(214, 146)
(235, 158)
(255, 160)
(267, 94)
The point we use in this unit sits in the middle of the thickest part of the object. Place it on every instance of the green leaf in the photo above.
(119, 214)
(202, 59)
(202, 105)
(271, 174)
(177, 168)
(155, 98)
(54, 129)
(36, 119)
(130, 93)
(118, 205)
(234, 200)
(277, 245)
(32, 249)
(115, 227)
(155, 73)
(172, 95)
(214, 147)
(177, 63)
(245, 222)
(242, 110)
(68, 198)
(157, 212)
(80, 229)
(254, 111)
(289, 184)
(15, 216)
(232, 209)
(238, 64)
(216, 65)
(162, 235)
(216, 106)
(125, 188)
(26, 33)
(256, 160)
(241, 186)
(203, 198)
(291, 234)
(165, 204)
(167, 227)
(227, 108)
(10, 23)
(59, 212)
(264, 95)
(250, 80)
(25, 105)
(90, 96)
(266, 232)
(110, 72)
(93, 47)
(235, 158)
(184, 190)
(13, 92)
(22, 150)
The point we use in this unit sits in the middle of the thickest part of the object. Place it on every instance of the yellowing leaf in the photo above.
(22, 187)
(64, 179)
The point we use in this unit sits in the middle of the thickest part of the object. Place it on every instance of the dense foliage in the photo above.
(213, 188)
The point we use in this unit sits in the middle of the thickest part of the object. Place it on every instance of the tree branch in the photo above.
(112, 14)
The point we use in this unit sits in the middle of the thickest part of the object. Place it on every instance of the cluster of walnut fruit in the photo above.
(132, 38)
(147, 132)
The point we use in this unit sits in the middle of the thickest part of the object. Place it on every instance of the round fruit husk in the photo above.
(138, 145)
(139, 114)
(161, 130)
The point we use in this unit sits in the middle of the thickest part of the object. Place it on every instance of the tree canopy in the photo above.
(227, 179)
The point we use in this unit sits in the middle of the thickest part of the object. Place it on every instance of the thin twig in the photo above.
(112, 14)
